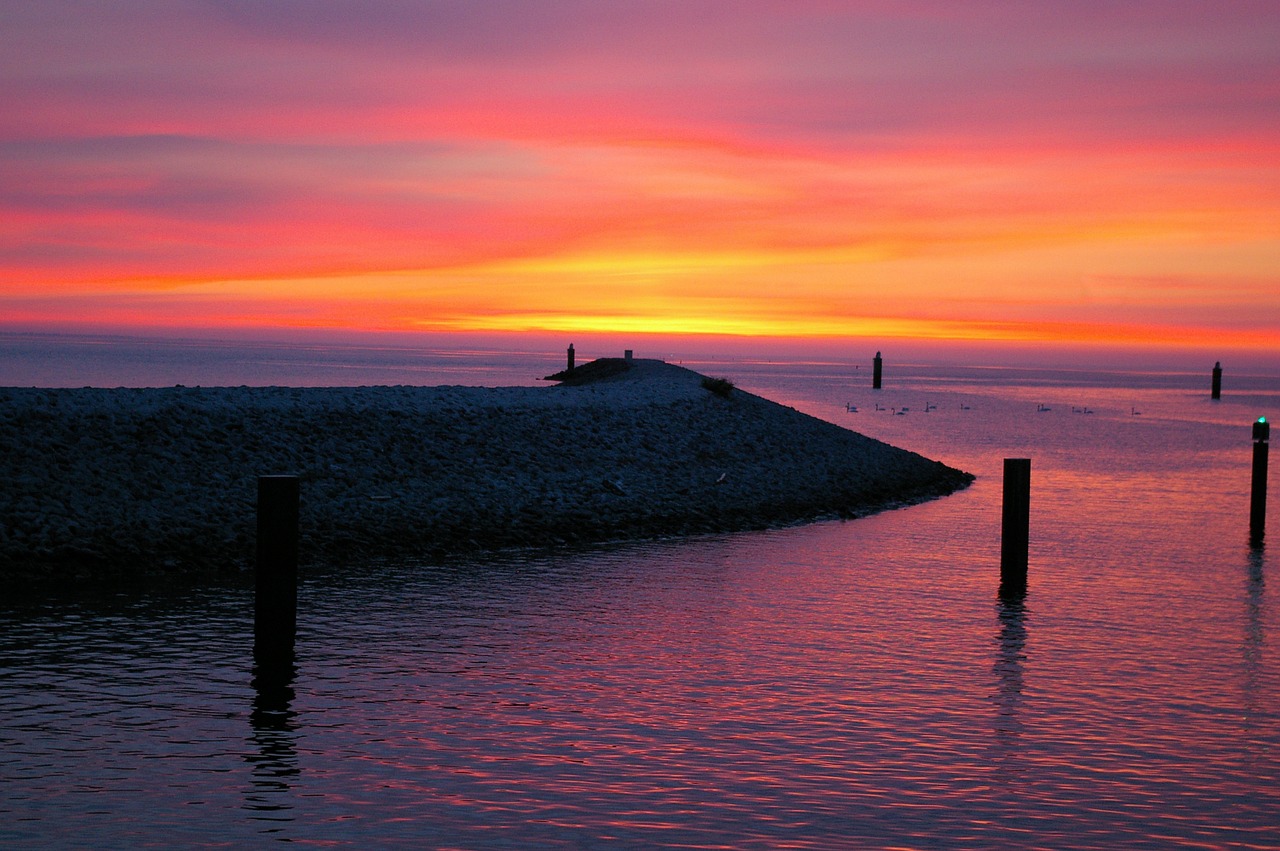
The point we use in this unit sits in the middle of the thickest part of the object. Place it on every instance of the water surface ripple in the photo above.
(855, 684)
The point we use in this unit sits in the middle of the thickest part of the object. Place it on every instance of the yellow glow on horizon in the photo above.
(1010, 287)
(675, 262)
(865, 327)
(693, 325)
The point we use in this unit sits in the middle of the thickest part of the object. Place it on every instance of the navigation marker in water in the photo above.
(876, 366)
(1015, 530)
(1217, 380)
(1258, 494)
(275, 607)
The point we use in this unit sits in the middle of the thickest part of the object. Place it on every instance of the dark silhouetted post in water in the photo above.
(1217, 380)
(1258, 496)
(876, 367)
(570, 369)
(275, 610)
(1015, 531)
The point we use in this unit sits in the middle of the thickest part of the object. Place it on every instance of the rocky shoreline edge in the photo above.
(120, 484)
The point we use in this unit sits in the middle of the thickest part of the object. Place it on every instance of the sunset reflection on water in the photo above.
(842, 684)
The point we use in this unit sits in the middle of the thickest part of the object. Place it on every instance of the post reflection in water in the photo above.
(1254, 636)
(1011, 643)
(274, 756)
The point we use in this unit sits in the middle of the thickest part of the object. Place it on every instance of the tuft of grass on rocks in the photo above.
(722, 387)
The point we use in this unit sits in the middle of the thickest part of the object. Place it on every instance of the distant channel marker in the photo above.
(1015, 527)
(1258, 489)
(275, 608)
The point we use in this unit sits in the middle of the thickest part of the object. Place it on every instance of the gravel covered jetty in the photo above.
(120, 483)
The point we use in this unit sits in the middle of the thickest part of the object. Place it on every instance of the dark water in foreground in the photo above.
(837, 685)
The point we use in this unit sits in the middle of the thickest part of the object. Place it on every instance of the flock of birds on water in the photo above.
(1040, 409)
(853, 409)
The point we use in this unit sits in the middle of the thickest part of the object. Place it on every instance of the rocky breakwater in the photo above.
(117, 483)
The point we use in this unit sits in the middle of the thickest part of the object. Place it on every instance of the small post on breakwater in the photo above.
(1217, 380)
(570, 368)
(1258, 492)
(275, 609)
(1015, 531)
(877, 365)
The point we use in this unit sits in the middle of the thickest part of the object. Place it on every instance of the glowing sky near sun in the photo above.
(981, 170)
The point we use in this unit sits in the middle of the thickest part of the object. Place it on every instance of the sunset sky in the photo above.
(1063, 171)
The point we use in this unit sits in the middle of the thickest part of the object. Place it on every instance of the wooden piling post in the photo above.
(877, 366)
(1217, 380)
(1258, 491)
(275, 610)
(1015, 532)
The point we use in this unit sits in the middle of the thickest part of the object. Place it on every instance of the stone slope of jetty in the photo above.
(119, 483)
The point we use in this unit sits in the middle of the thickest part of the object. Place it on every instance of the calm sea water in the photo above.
(836, 685)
